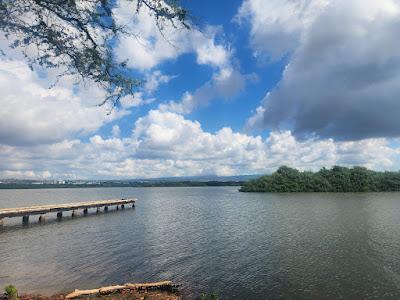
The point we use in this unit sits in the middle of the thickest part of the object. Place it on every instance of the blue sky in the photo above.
(254, 85)
(189, 75)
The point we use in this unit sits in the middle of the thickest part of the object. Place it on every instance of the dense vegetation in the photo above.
(336, 179)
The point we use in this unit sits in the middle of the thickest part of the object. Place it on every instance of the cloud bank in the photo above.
(167, 144)
(343, 76)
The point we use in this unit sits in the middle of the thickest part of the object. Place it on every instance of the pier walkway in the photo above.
(41, 210)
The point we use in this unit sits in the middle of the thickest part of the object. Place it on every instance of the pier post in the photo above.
(105, 208)
(122, 206)
(97, 210)
(73, 214)
(59, 215)
(85, 211)
(41, 219)
(25, 219)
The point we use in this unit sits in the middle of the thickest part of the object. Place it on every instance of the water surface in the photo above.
(210, 239)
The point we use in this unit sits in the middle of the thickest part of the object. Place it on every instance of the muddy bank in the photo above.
(130, 295)
(164, 290)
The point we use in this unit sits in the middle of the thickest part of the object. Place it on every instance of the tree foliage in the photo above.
(77, 36)
(336, 179)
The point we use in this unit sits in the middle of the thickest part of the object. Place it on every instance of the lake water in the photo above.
(210, 239)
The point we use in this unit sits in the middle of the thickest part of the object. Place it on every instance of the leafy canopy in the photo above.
(77, 36)
(336, 179)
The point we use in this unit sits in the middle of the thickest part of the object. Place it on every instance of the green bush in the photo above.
(11, 291)
(212, 296)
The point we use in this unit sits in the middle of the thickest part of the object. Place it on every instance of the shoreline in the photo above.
(144, 185)
(163, 290)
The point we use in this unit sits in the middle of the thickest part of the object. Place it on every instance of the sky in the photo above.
(256, 84)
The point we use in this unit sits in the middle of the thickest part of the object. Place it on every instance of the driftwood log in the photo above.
(115, 288)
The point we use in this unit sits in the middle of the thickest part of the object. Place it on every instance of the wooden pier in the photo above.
(26, 212)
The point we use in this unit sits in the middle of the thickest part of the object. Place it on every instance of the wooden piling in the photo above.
(25, 219)
(85, 211)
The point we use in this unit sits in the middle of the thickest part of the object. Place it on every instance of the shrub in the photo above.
(212, 296)
(11, 292)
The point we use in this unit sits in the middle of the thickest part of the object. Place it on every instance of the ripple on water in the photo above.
(211, 239)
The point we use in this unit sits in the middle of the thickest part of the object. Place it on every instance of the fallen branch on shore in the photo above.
(162, 285)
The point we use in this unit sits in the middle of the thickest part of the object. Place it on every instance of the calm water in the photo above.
(213, 239)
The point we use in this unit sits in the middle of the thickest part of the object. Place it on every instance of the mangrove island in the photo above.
(337, 179)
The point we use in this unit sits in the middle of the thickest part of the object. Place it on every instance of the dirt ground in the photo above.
(124, 295)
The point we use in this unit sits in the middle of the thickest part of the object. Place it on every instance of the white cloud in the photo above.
(225, 84)
(134, 100)
(343, 78)
(154, 79)
(208, 52)
(277, 25)
(115, 131)
(32, 113)
(148, 47)
(167, 144)
(140, 50)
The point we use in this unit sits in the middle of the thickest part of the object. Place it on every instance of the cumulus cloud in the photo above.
(147, 47)
(31, 113)
(277, 25)
(167, 144)
(343, 78)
